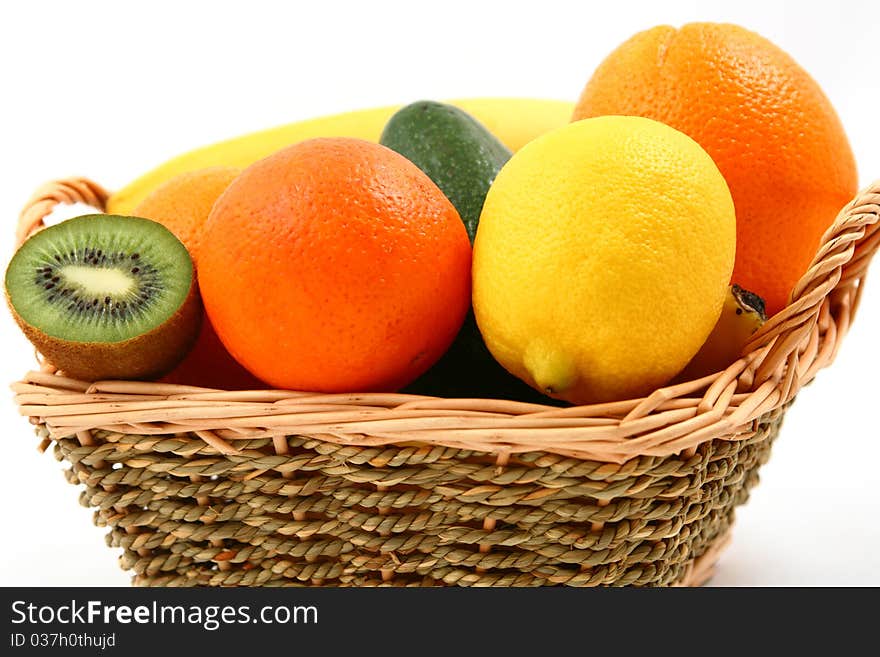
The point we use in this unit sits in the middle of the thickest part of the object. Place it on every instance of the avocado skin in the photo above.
(453, 149)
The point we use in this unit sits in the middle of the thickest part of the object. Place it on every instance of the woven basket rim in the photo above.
(783, 356)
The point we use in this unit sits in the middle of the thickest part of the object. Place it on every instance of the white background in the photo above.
(108, 90)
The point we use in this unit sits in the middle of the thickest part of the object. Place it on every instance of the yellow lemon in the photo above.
(602, 258)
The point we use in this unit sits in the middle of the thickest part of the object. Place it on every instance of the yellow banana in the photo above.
(515, 121)
(741, 315)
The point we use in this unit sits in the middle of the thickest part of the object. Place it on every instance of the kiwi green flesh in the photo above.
(99, 278)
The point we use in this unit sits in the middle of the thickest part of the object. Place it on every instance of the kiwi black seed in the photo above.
(106, 297)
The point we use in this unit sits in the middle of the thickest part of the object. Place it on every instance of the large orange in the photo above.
(182, 205)
(769, 127)
(335, 265)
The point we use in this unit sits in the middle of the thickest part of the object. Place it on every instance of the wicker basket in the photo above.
(218, 488)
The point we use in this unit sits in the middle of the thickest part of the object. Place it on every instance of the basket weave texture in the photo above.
(211, 487)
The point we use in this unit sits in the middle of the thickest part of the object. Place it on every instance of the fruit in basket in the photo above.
(453, 149)
(602, 258)
(335, 265)
(106, 297)
(515, 121)
(182, 204)
(742, 315)
(769, 127)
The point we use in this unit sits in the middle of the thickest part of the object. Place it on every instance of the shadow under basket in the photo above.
(268, 488)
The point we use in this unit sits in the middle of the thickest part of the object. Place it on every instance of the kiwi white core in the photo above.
(99, 281)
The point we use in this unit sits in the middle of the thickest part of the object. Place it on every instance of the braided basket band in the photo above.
(323, 514)
(782, 357)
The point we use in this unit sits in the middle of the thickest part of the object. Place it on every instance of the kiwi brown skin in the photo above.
(149, 355)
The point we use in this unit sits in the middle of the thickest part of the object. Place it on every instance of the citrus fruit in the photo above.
(769, 127)
(335, 265)
(210, 365)
(182, 204)
(602, 258)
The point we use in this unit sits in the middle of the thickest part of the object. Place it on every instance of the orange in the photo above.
(182, 205)
(210, 365)
(769, 127)
(335, 265)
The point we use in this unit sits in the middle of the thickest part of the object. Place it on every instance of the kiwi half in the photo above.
(106, 297)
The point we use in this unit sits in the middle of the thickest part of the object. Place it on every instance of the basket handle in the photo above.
(44, 200)
(832, 284)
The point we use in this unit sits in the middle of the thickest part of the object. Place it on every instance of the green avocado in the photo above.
(462, 158)
(453, 148)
